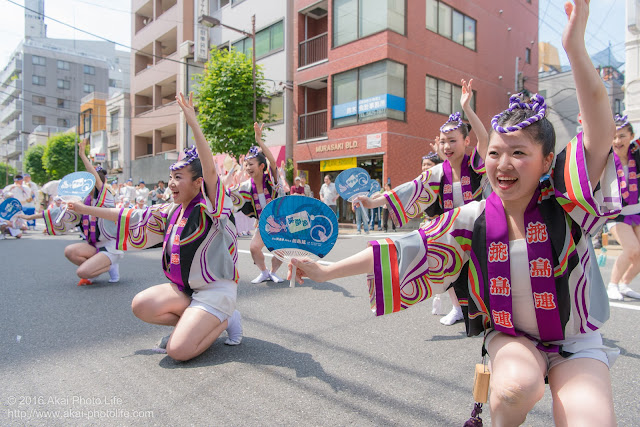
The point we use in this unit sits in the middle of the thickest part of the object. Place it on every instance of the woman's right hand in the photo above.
(314, 271)
(78, 207)
(364, 201)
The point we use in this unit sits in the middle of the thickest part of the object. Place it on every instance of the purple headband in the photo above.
(536, 104)
(431, 156)
(455, 117)
(621, 119)
(253, 152)
(187, 157)
(98, 168)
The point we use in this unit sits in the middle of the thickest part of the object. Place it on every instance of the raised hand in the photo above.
(187, 107)
(467, 94)
(82, 146)
(257, 127)
(573, 34)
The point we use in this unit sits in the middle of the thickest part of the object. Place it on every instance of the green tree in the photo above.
(33, 163)
(224, 99)
(59, 154)
(6, 175)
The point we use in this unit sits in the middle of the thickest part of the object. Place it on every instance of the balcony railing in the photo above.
(313, 50)
(312, 125)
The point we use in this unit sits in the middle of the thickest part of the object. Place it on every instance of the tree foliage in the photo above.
(59, 155)
(224, 98)
(6, 175)
(33, 164)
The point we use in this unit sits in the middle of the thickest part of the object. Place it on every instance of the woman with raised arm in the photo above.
(626, 226)
(199, 252)
(98, 254)
(457, 181)
(541, 321)
(251, 196)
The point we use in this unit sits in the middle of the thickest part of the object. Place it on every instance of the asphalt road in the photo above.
(314, 355)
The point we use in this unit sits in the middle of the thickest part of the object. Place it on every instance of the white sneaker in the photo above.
(614, 293)
(275, 278)
(234, 329)
(436, 305)
(114, 273)
(262, 277)
(628, 292)
(454, 315)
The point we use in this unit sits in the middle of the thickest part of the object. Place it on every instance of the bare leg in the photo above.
(96, 265)
(275, 264)
(195, 332)
(581, 391)
(78, 253)
(256, 250)
(454, 297)
(633, 270)
(517, 379)
(160, 304)
(630, 254)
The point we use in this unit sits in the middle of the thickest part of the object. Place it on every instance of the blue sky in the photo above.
(112, 20)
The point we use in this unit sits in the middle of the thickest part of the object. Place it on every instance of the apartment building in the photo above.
(45, 80)
(161, 66)
(375, 79)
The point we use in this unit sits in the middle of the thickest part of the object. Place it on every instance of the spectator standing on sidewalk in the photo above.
(329, 194)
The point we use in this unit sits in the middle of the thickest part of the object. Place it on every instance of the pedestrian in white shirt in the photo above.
(142, 191)
(329, 194)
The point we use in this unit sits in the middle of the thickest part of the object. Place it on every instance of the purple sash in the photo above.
(174, 270)
(541, 268)
(89, 224)
(628, 186)
(465, 184)
(254, 194)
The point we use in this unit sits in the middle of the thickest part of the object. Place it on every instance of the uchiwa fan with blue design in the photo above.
(74, 188)
(352, 183)
(298, 227)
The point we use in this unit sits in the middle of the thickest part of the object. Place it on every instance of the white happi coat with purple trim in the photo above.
(428, 261)
(208, 244)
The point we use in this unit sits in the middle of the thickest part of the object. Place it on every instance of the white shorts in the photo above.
(220, 296)
(588, 345)
(206, 307)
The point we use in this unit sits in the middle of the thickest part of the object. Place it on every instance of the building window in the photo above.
(38, 60)
(444, 97)
(89, 69)
(218, 4)
(38, 100)
(38, 80)
(275, 112)
(617, 106)
(38, 120)
(527, 55)
(64, 84)
(63, 65)
(113, 127)
(354, 19)
(373, 92)
(63, 123)
(268, 40)
(115, 83)
(114, 159)
(62, 103)
(88, 88)
(450, 23)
